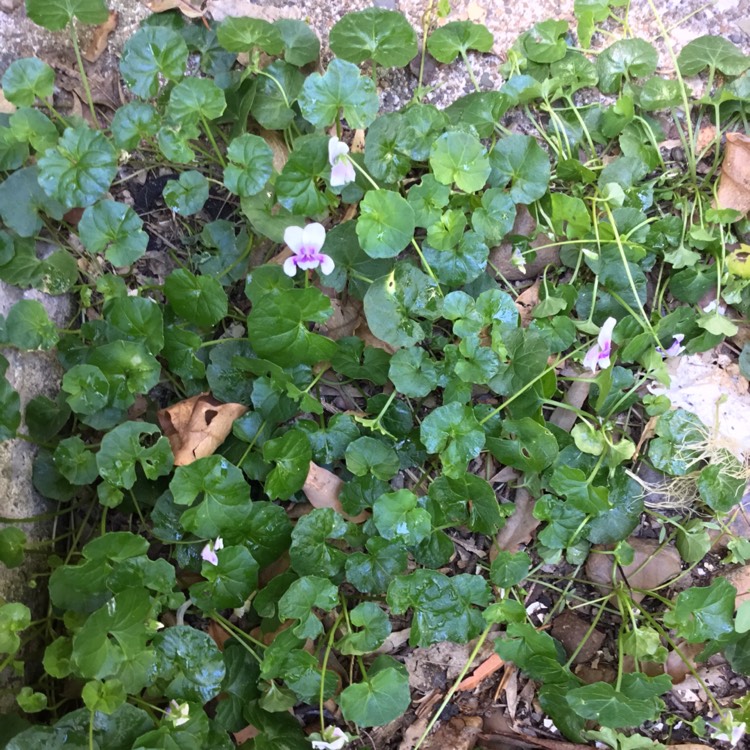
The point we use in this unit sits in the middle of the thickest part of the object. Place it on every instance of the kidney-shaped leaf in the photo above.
(251, 165)
(452, 431)
(383, 697)
(199, 299)
(623, 59)
(243, 34)
(456, 38)
(27, 79)
(385, 225)
(461, 158)
(519, 161)
(151, 52)
(114, 229)
(384, 36)
(57, 14)
(714, 52)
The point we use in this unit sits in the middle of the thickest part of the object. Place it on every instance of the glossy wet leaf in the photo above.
(624, 59)
(341, 90)
(520, 162)
(151, 52)
(525, 445)
(114, 229)
(75, 461)
(188, 194)
(545, 41)
(371, 572)
(367, 455)
(376, 627)
(460, 158)
(385, 225)
(509, 568)
(427, 199)
(309, 552)
(80, 169)
(457, 37)
(398, 518)
(198, 299)
(705, 613)
(461, 264)
(453, 431)
(27, 80)
(275, 94)
(251, 165)
(382, 698)
(57, 14)
(228, 583)
(384, 36)
(290, 455)
(720, 488)
(126, 446)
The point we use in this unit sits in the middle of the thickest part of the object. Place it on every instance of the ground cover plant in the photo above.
(337, 373)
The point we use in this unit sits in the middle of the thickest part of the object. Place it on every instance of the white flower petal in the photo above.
(336, 149)
(294, 237)
(290, 267)
(605, 333)
(314, 235)
(591, 360)
(327, 265)
(342, 173)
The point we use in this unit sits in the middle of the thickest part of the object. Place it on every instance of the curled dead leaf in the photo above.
(519, 527)
(191, 10)
(734, 180)
(527, 301)
(99, 37)
(345, 319)
(197, 426)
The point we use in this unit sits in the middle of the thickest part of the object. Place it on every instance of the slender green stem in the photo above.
(82, 71)
(324, 664)
(470, 71)
(209, 133)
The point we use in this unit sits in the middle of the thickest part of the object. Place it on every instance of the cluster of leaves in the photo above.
(458, 381)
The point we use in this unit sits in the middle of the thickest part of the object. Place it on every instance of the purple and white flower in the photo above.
(306, 243)
(598, 355)
(518, 261)
(208, 553)
(178, 713)
(676, 347)
(333, 738)
(342, 170)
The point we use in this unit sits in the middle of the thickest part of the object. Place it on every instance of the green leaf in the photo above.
(136, 319)
(371, 573)
(309, 552)
(151, 52)
(80, 169)
(610, 707)
(28, 326)
(297, 185)
(329, 443)
(545, 41)
(713, 52)
(496, 216)
(278, 327)
(397, 517)
(198, 299)
(113, 229)
(12, 543)
(385, 225)
(222, 493)
(520, 161)
(55, 15)
(26, 80)
(246, 34)
(291, 455)
(442, 606)
(88, 389)
(383, 697)
(132, 123)
(31, 702)
(251, 165)
(413, 372)
(460, 264)
(75, 461)
(299, 600)
(376, 627)
(427, 199)
(702, 614)
(720, 487)
(21, 202)
(453, 497)
(301, 43)
(659, 93)
(394, 301)
(525, 445)
(460, 158)
(229, 583)
(368, 455)
(194, 100)
(187, 195)
(455, 38)
(452, 431)
(340, 89)
(509, 568)
(384, 157)
(384, 36)
(106, 697)
(14, 617)
(624, 59)
(272, 107)
(189, 664)
(123, 448)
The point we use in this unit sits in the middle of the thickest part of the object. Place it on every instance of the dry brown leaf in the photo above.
(246, 734)
(519, 527)
(197, 426)
(344, 320)
(278, 147)
(570, 630)
(460, 733)
(740, 579)
(322, 488)
(706, 136)
(99, 37)
(364, 332)
(6, 107)
(486, 669)
(575, 396)
(653, 564)
(527, 301)
(191, 10)
(734, 180)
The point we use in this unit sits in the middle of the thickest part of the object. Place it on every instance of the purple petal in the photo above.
(342, 173)
(591, 360)
(208, 554)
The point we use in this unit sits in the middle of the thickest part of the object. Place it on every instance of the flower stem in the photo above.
(82, 71)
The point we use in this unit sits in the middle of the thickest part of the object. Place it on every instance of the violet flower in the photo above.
(208, 553)
(305, 244)
(342, 170)
(333, 738)
(598, 355)
(675, 349)
(178, 713)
